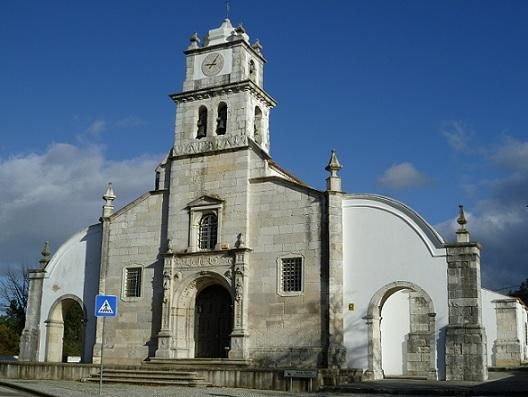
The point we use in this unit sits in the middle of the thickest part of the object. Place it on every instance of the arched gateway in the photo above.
(420, 352)
(55, 332)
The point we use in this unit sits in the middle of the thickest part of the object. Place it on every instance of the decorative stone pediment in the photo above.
(205, 201)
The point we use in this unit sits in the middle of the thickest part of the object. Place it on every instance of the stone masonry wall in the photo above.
(284, 221)
(135, 239)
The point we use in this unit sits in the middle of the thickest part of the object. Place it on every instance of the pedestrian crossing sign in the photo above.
(106, 306)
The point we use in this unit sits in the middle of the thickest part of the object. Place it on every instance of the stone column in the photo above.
(374, 370)
(466, 357)
(240, 336)
(29, 340)
(421, 338)
(30, 337)
(336, 353)
(55, 334)
(108, 209)
(507, 348)
(165, 333)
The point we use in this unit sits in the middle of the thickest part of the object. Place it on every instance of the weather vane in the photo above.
(228, 8)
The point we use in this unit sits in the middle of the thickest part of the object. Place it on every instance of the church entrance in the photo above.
(213, 322)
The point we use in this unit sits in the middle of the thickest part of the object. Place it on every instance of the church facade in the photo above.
(231, 257)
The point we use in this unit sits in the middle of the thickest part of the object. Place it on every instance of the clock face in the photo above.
(212, 64)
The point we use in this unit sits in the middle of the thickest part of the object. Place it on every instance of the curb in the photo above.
(425, 391)
(17, 386)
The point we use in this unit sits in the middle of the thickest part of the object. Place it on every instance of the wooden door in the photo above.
(213, 322)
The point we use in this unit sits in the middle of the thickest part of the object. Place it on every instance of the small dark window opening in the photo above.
(292, 274)
(221, 120)
(252, 71)
(208, 232)
(202, 123)
(157, 181)
(257, 125)
(133, 282)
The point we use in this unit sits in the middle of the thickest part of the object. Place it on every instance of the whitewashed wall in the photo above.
(521, 329)
(73, 270)
(489, 319)
(384, 242)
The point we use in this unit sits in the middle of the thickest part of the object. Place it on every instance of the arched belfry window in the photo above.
(252, 70)
(257, 125)
(208, 232)
(221, 120)
(202, 122)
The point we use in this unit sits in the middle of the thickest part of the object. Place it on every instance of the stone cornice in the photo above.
(204, 93)
(229, 44)
(228, 251)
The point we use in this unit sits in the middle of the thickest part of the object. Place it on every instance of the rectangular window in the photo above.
(133, 282)
(291, 274)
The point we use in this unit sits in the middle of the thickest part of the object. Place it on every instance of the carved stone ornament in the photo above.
(238, 291)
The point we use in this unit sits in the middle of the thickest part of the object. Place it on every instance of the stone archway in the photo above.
(55, 327)
(183, 311)
(421, 344)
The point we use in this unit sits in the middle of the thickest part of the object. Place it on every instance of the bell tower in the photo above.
(223, 103)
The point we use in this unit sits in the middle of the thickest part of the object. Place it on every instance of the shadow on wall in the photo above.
(157, 279)
(91, 287)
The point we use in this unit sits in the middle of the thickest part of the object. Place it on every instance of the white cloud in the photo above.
(500, 224)
(512, 154)
(402, 176)
(96, 127)
(457, 134)
(50, 195)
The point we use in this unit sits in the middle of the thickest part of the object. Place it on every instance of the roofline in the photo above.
(429, 230)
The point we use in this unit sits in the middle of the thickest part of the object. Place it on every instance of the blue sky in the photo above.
(424, 101)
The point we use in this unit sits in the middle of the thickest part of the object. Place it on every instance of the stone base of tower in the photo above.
(29, 341)
(466, 358)
(507, 353)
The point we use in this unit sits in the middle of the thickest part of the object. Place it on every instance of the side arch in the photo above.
(55, 326)
(422, 331)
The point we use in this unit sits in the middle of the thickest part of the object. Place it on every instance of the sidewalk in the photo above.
(505, 384)
(512, 383)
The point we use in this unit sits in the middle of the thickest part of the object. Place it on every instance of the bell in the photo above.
(201, 129)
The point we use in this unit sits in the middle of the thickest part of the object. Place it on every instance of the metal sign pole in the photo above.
(102, 352)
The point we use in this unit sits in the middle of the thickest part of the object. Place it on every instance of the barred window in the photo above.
(208, 232)
(133, 282)
(291, 274)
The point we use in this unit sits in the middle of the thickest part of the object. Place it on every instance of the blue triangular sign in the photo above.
(105, 308)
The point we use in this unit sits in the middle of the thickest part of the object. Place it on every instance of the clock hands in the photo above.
(213, 62)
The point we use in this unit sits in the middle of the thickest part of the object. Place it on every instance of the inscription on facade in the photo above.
(202, 261)
(217, 143)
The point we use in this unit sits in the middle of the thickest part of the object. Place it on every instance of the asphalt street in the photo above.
(9, 392)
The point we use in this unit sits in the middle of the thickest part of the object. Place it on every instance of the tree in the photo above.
(522, 292)
(13, 299)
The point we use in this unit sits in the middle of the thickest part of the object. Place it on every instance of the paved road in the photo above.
(8, 392)
(49, 388)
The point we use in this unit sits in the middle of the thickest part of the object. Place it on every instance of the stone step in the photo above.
(149, 377)
(196, 363)
(148, 381)
(153, 373)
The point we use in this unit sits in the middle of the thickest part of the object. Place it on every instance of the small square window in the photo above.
(290, 275)
(132, 282)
